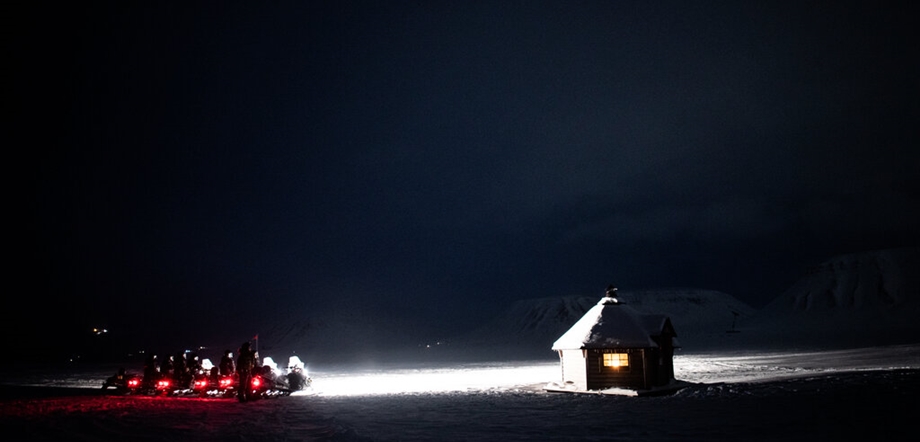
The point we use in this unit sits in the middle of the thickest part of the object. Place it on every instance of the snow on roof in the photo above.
(611, 324)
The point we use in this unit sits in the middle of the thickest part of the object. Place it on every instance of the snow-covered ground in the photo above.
(847, 379)
(815, 395)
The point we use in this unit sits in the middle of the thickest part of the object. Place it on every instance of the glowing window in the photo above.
(616, 360)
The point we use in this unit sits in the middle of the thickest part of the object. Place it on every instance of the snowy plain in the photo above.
(733, 395)
(835, 357)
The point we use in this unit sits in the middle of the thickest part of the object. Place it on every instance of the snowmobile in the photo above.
(182, 385)
(263, 387)
(215, 385)
(226, 386)
(267, 384)
(123, 382)
(163, 387)
(201, 384)
(297, 380)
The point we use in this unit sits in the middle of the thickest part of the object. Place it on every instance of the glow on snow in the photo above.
(511, 376)
(464, 378)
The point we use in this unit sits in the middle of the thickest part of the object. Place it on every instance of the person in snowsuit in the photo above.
(151, 371)
(214, 376)
(166, 367)
(245, 363)
(227, 367)
(180, 371)
(194, 365)
(214, 379)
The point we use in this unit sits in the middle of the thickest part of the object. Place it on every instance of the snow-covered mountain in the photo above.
(526, 329)
(860, 299)
(884, 281)
(530, 326)
(868, 298)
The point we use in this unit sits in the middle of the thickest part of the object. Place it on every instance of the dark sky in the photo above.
(194, 166)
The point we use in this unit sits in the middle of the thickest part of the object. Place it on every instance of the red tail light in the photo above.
(256, 382)
(163, 384)
(133, 382)
(201, 383)
(226, 382)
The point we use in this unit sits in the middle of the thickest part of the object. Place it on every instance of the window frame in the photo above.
(621, 359)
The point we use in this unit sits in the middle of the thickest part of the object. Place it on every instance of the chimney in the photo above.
(612, 293)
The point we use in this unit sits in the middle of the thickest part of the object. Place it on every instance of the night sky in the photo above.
(196, 166)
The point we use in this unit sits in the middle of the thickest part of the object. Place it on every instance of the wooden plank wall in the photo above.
(600, 377)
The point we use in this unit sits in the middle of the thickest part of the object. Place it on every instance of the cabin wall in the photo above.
(573, 368)
(635, 376)
(648, 367)
(664, 358)
(667, 364)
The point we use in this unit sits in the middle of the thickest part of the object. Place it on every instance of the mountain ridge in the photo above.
(868, 298)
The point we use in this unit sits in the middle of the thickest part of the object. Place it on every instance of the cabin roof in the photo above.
(612, 324)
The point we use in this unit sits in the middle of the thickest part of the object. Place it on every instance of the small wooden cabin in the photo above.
(613, 346)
